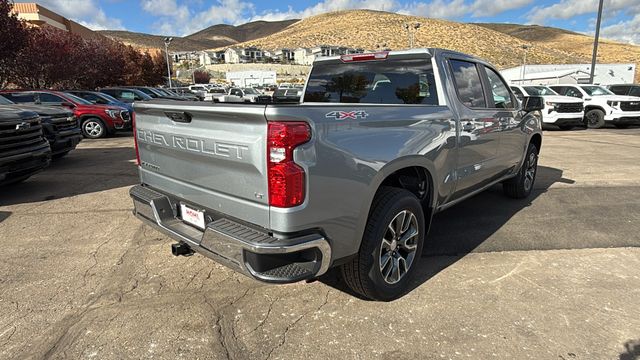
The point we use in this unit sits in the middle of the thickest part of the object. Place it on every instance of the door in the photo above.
(478, 132)
(504, 107)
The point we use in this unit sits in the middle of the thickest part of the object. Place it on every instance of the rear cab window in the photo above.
(468, 84)
(392, 81)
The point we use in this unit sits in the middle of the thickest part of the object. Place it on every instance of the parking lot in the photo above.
(555, 276)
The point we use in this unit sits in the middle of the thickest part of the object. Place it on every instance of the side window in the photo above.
(128, 95)
(559, 89)
(619, 90)
(517, 92)
(573, 92)
(468, 84)
(501, 95)
(20, 98)
(51, 99)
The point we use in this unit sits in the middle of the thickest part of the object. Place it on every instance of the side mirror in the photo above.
(533, 103)
(68, 104)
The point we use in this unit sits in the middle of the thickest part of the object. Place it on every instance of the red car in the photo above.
(96, 120)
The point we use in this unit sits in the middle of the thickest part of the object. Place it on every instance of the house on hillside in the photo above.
(549, 74)
(303, 56)
(285, 55)
(243, 55)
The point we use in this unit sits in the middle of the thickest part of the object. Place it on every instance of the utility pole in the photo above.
(524, 63)
(167, 41)
(595, 43)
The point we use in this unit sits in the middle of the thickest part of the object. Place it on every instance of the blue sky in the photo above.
(182, 17)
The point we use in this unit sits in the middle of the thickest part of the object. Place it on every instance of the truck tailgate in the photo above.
(210, 156)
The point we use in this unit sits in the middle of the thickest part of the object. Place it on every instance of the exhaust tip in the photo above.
(181, 249)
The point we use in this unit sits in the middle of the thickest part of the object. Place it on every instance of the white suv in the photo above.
(563, 111)
(602, 106)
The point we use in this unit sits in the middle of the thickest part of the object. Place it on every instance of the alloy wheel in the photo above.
(530, 171)
(399, 245)
(93, 128)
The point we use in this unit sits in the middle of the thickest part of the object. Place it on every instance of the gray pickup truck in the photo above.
(350, 177)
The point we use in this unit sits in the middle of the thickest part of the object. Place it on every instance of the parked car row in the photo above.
(31, 136)
(99, 113)
(586, 105)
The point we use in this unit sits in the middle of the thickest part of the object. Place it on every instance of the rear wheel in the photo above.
(595, 118)
(93, 128)
(391, 246)
(520, 186)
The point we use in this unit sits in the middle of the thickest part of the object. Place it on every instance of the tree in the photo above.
(14, 36)
(201, 77)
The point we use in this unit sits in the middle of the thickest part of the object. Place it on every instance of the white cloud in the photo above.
(445, 9)
(567, 9)
(85, 12)
(625, 31)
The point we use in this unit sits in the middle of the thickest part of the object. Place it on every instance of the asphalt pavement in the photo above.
(556, 276)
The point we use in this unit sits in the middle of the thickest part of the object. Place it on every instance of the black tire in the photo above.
(94, 128)
(363, 274)
(595, 118)
(565, 127)
(520, 186)
(622, 126)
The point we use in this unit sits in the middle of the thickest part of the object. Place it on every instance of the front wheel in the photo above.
(93, 128)
(595, 118)
(391, 246)
(521, 185)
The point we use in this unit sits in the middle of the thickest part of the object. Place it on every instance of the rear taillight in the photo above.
(135, 137)
(286, 178)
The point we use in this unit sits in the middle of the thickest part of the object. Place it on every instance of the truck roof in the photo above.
(427, 51)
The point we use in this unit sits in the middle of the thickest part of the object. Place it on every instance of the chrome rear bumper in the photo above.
(239, 247)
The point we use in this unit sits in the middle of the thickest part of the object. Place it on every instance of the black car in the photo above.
(126, 95)
(154, 93)
(61, 128)
(625, 89)
(23, 149)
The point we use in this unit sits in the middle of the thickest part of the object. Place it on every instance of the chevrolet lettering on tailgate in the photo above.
(194, 144)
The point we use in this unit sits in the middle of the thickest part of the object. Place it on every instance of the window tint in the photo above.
(501, 95)
(20, 97)
(129, 95)
(517, 91)
(573, 92)
(620, 90)
(539, 91)
(635, 91)
(406, 81)
(596, 90)
(46, 98)
(468, 84)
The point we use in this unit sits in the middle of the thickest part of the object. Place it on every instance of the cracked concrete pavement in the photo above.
(80, 277)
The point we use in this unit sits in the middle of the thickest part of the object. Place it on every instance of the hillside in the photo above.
(579, 44)
(212, 37)
(368, 29)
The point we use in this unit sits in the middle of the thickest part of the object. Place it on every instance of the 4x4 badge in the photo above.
(341, 115)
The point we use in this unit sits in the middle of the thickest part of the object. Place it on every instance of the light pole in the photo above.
(524, 63)
(411, 28)
(167, 41)
(595, 43)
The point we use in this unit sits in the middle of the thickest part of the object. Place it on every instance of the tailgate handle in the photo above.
(178, 116)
